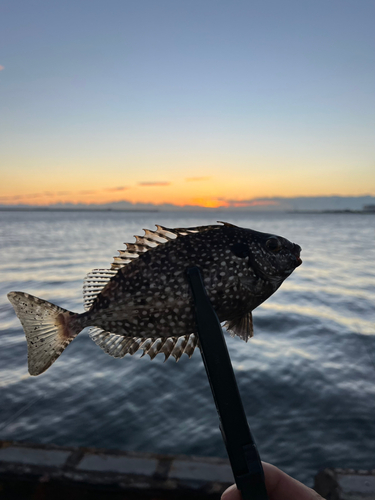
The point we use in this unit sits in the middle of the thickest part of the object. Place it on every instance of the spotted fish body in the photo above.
(144, 301)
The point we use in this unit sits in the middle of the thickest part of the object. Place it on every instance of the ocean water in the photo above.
(306, 378)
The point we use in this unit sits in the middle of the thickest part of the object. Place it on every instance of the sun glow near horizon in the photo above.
(199, 191)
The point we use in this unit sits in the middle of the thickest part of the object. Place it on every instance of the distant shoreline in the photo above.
(3, 209)
(151, 210)
(331, 211)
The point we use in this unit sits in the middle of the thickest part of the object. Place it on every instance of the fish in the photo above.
(143, 301)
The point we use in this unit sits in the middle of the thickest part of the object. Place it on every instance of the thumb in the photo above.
(279, 486)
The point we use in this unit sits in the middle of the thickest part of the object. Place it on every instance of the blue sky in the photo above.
(265, 98)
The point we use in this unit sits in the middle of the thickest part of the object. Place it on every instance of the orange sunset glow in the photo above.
(223, 190)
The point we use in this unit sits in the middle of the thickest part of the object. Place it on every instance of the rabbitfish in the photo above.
(144, 302)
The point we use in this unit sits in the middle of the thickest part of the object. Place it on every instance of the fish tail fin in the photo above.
(49, 329)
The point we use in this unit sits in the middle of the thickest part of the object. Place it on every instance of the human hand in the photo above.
(279, 486)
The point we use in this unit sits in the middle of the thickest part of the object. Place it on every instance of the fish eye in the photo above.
(273, 244)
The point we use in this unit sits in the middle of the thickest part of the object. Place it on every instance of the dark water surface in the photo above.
(306, 378)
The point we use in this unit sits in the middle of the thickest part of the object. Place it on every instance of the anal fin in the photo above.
(118, 346)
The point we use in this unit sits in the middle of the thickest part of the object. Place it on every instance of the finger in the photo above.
(231, 493)
(280, 486)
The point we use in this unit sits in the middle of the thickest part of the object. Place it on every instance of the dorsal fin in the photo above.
(94, 283)
(97, 279)
(183, 231)
(152, 239)
(118, 346)
(149, 240)
(226, 224)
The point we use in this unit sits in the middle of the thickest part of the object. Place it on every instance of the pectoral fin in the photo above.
(242, 327)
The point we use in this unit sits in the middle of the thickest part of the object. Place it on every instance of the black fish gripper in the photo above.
(241, 448)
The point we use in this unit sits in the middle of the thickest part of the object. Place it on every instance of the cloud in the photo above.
(195, 179)
(154, 183)
(119, 188)
(1, 67)
(11, 198)
(209, 202)
(252, 203)
(32, 195)
(21, 196)
(87, 192)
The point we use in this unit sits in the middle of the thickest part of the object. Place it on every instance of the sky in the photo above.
(190, 102)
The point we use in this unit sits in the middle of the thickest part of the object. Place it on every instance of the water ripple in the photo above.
(306, 378)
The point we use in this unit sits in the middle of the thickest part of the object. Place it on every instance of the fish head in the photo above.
(271, 258)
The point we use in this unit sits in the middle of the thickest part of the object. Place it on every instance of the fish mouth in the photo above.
(299, 261)
(295, 265)
(297, 252)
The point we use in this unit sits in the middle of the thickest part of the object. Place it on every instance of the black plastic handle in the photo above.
(242, 451)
